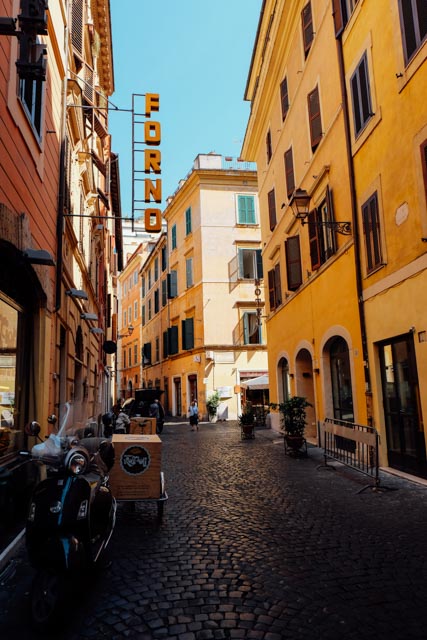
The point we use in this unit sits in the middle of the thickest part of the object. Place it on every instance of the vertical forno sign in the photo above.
(152, 163)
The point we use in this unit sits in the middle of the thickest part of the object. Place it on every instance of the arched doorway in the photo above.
(284, 380)
(304, 386)
(342, 395)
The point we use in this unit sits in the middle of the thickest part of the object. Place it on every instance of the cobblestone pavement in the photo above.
(253, 544)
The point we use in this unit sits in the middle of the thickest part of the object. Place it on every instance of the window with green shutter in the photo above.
(188, 221)
(246, 209)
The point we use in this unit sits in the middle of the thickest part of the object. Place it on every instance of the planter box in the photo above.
(146, 426)
(136, 471)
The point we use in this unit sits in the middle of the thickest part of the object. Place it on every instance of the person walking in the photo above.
(157, 411)
(194, 415)
(122, 420)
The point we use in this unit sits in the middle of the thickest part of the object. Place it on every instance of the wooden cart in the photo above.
(136, 474)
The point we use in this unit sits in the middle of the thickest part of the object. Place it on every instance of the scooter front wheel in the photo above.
(47, 599)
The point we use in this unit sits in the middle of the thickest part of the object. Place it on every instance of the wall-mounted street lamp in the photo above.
(77, 293)
(89, 316)
(126, 335)
(300, 205)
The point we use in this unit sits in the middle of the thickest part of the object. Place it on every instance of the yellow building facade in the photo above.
(297, 135)
(201, 331)
(384, 45)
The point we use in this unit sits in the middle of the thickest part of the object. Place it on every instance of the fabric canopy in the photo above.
(261, 382)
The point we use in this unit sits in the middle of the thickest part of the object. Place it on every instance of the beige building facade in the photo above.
(200, 324)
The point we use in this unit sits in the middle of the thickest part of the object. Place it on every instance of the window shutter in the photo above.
(250, 209)
(272, 209)
(289, 172)
(293, 263)
(165, 345)
(188, 333)
(424, 164)
(315, 118)
(284, 97)
(172, 279)
(271, 293)
(156, 301)
(77, 22)
(307, 27)
(339, 16)
(259, 267)
(268, 146)
(313, 237)
(173, 339)
(331, 234)
(277, 285)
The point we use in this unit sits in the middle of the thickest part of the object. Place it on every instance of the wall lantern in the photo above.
(96, 330)
(39, 256)
(126, 335)
(89, 316)
(300, 205)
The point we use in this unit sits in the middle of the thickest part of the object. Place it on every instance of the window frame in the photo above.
(246, 327)
(189, 275)
(415, 25)
(293, 262)
(322, 238)
(289, 171)
(272, 216)
(373, 246)
(245, 211)
(256, 263)
(361, 95)
(307, 28)
(315, 118)
(174, 243)
(188, 221)
(284, 97)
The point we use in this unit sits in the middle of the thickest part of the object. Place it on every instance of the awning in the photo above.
(261, 382)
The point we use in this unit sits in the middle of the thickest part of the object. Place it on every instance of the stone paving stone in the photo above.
(254, 544)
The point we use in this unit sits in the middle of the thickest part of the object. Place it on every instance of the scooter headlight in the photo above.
(77, 462)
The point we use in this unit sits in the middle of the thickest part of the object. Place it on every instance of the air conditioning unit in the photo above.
(209, 355)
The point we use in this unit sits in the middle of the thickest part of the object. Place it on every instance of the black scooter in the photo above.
(71, 516)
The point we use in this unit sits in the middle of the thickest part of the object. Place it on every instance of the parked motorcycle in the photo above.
(71, 516)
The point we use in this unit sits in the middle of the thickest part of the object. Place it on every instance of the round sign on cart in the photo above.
(135, 460)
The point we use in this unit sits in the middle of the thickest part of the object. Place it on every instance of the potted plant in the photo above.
(247, 423)
(293, 412)
(212, 405)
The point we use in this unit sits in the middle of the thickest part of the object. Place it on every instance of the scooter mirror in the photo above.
(32, 429)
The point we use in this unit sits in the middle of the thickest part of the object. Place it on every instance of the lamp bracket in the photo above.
(344, 228)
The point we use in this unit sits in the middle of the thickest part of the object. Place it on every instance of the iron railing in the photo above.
(354, 445)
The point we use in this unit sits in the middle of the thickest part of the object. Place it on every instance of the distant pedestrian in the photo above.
(194, 415)
(157, 412)
(122, 420)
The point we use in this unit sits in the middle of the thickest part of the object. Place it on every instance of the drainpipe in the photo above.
(356, 233)
(61, 186)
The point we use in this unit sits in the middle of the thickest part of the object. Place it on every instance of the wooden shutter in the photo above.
(315, 118)
(146, 353)
(371, 229)
(172, 279)
(187, 327)
(165, 345)
(277, 285)
(307, 27)
(293, 263)
(77, 21)
(313, 237)
(268, 146)
(284, 97)
(272, 209)
(259, 267)
(424, 164)
(339, 16)
(173, 339)
(271, 290)
(289, 172)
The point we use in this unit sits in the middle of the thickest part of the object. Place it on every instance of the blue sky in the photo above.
(196, 55)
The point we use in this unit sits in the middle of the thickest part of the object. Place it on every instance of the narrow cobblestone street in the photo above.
(253, 544)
